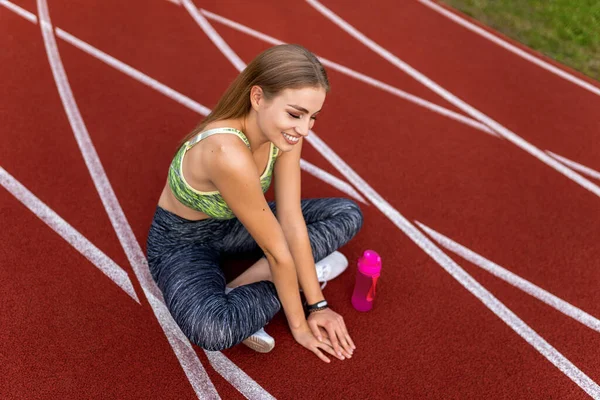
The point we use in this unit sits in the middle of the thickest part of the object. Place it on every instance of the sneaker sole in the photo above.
(259, 345)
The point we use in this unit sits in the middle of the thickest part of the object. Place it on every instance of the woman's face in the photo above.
(289, 116)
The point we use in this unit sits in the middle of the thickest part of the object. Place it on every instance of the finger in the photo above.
(326, 339)
(315, 330)
(327, 348)
(321, 355)
(340, 335)
(335, 342)
(348, 338)
(327, 342)
(346, 349)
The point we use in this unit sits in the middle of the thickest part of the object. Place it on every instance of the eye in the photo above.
(294, 115)
(313, 118)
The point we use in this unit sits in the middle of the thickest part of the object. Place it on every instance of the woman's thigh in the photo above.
(193, 286)
(331, 223)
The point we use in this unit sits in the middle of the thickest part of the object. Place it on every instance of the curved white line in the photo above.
(213, 35)
(332, 180)
(515, 280)
(237, 377)
(133, 73)
(72, 236)
(20, 11)
(576, 166)
(488, 299)
(512, 48)
(197, 376)
(359, 76)
(466, 280)
(195, 372)
(501, 130)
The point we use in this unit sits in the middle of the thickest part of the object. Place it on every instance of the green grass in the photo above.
(565, 30)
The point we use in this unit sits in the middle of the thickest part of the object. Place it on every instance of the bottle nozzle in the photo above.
(370, 262)
(371, 257)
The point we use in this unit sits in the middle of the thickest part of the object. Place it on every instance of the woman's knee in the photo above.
(208, 327)
(223, 321)
(352, 213)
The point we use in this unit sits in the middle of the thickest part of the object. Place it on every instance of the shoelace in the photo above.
(322, 273)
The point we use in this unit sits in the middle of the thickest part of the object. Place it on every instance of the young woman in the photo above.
(213, 204)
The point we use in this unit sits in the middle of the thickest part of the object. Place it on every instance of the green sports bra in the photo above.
(211, 203)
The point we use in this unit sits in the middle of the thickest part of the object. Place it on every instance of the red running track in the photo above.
(68, 331)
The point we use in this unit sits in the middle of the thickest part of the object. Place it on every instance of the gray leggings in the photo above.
(184, 258)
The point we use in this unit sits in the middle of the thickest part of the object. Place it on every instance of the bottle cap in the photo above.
(370, 263)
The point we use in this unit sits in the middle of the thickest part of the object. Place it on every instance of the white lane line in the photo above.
(108, 267)
(466, 280)
(391, 213)
(512, 48)
(189, 103)
(503, 131)
(132, 72)
(358, 76)
(576, 166)
(332, 180)
(242, 382)
(497, 307)
(456, 271)
(213, 35)
(184, 351)
(20, 11)
(250, 386)
(515, 280)
(237, 377)
(195, 373)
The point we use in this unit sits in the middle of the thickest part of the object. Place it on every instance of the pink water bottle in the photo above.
(369, 269)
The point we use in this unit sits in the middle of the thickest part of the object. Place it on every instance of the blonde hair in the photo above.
(286, 66)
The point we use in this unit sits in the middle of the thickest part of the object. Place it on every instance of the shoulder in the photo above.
(219, 143)
(220, 151)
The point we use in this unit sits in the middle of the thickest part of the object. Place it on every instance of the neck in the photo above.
(250, 128)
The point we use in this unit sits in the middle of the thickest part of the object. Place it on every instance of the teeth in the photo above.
(291, 138)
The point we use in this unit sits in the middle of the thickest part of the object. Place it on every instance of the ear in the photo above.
(256, 96)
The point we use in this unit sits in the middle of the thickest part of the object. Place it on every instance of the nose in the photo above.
(302, 129)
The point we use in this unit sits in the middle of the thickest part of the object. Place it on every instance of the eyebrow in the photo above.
(302, 109)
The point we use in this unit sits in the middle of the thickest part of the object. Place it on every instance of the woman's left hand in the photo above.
(334, 325)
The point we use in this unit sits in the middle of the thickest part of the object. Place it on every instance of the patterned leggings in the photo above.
(184, 259)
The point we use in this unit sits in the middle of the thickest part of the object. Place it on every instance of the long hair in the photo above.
(286, 66)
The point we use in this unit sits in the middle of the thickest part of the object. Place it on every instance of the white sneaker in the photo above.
(331, 267)
(261, 342)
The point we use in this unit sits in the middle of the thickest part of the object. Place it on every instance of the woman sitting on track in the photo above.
(213, 204)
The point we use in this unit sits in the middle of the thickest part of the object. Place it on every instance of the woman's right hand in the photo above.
(307, 339)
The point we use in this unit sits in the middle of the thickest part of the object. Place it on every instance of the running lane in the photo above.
(422, 144)
(427, 336)
(305, 27)
(548, 111)
(67, 329)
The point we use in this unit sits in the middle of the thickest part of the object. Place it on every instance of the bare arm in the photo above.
(233, 172)
(289, 214)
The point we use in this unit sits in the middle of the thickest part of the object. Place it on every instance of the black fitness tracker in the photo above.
(321, 305)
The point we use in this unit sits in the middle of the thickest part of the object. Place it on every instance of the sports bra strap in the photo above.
(211, 132)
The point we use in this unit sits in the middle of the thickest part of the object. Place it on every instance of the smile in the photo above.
(290, 139)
